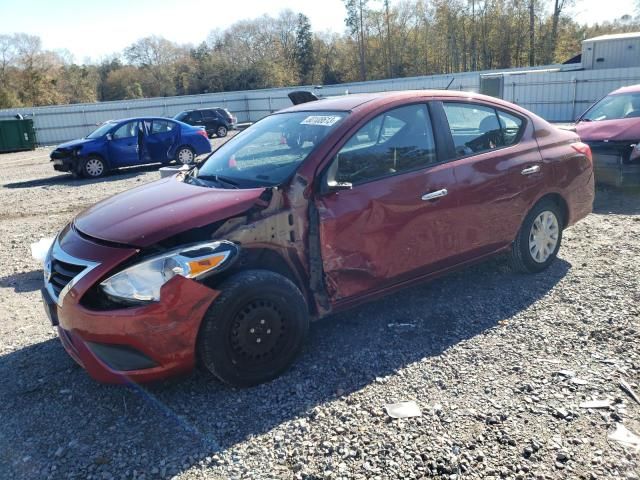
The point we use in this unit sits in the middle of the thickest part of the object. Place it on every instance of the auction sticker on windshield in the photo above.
(324, 120)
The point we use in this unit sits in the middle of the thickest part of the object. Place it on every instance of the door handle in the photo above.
(531, 170)
(434, 195)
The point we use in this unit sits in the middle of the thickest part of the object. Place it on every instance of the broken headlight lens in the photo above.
(142, 282)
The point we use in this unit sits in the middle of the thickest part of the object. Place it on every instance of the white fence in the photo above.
(553, 94)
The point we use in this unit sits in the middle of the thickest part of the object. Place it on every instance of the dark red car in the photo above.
(310, 211)
(611, 127)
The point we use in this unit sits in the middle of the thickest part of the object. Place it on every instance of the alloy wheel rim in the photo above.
(94, 167)
(185, 156)
(222, 131)
(543, 237)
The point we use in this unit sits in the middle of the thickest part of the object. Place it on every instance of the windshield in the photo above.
(101, 130)
(615, 107)
(272, 149)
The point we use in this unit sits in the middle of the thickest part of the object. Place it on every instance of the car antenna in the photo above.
(452, 79)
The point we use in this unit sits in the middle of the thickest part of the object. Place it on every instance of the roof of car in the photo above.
(358, 100)
(629, 89)
(205, 108)
(131, 119)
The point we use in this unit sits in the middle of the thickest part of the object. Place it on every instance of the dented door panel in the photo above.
(382, 232)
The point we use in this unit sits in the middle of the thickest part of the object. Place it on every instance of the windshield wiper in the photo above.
(219, 179)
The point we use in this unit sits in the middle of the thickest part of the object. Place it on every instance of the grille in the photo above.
(62, 273)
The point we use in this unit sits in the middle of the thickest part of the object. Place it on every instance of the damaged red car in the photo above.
(611, 127)
(309, 211)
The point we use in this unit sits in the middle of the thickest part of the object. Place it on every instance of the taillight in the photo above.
(584, 149)
(203, 133)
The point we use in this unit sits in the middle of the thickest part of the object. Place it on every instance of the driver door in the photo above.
(123, 147)
(397, 221)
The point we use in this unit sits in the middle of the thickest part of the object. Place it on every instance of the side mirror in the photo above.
(109, 136)
(333, 186)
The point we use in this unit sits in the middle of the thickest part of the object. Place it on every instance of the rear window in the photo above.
(193, 116)
(478, 128)
(161, 126)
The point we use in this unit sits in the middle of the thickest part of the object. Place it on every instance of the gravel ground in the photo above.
(499, 364)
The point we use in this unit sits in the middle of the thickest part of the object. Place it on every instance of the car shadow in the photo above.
(23, 282)
(48, 403)
(610, 200)
(70, 181)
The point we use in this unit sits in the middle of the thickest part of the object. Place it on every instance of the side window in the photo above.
(128, 130)
(511, 127)
(161, 126)
(394, 142)
(474, 128)
(195, 116)
(208, 114)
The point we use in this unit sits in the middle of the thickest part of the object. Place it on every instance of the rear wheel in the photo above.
(221, 131)
(185, 156)
(539, 238)
(254, 330)
(93, 167)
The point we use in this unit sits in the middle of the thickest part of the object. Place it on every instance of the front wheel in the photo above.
(185, 156)
(539, 238)
(254, 330)
(93, 167)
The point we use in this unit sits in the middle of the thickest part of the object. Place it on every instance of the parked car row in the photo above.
(310, 211)
(138, 141)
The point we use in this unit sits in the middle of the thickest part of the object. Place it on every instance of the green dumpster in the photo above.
(17, 135)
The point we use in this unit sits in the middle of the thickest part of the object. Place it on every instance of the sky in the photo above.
(92, 30)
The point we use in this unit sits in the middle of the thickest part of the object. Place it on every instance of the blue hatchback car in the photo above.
(132, 141)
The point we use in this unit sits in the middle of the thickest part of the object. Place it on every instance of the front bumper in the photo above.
(63, 164)
(135, 344)
(612, 164)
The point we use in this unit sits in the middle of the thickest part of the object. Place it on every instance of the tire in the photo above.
(93, 167)
(221, 131)
(531, 253)
(237, 317)
(185, 156)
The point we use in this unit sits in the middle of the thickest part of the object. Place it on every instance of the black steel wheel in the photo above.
(254, 330)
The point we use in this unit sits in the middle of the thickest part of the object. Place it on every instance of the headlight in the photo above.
(142, 282)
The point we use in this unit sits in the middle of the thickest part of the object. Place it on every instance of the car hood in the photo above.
(74, 143)
(151, 213)
(612, 130)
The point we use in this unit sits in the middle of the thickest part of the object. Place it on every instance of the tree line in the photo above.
(381, 39)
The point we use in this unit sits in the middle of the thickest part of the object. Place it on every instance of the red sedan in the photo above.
(611, 127)
(310, 211)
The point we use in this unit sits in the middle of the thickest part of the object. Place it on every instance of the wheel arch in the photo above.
(93, 153)
(261, 258)
(560, 202)
(184, 145)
